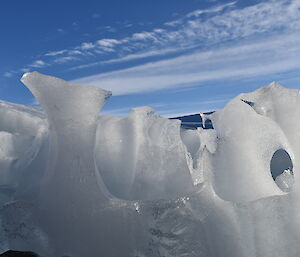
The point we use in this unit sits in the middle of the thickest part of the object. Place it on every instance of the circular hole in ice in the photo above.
(282, 170)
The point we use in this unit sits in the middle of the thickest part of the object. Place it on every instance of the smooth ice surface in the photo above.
(73, 183)
(22, 136)
(281, 105)
(247, 142)
(142, 157)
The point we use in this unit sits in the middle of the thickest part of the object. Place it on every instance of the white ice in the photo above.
(142, 157)
(73, 183)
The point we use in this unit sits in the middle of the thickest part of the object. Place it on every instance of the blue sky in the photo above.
(179, 56)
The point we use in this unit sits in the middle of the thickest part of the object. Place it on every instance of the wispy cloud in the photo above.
(225, 23)
(215, 9)
(65, 59)
(277, 54)
(55, 53)
(38, 64)
(127, 58)
(75, 52)
(220, 24)
(108, 42)
(173, 23)
(87, 46)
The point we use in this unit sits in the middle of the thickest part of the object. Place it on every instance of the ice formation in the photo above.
(142, 157)
(73, 183)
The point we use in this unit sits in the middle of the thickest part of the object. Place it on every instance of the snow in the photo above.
(74, 183)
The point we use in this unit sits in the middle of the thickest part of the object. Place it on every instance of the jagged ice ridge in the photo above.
(73, 183)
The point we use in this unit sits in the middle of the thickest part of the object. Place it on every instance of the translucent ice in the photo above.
(282, 105)
(76, 184)
(22, 135)
(246, 144)
(142, 157)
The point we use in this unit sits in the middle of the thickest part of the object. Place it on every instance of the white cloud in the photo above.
(55, 53)
(143, 36)
(173, 23)
(87, 46)
(224, 24)
(266, 57)
(215, 9)
(127, 58)
(232, 24)
(65, 59)
(75, 52)
(38, 64)
(197, 13)
(107, 42)
(159, 30)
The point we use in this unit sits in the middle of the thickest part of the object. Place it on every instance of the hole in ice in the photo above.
(280, 162)
(208, 124)
(282, 170)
